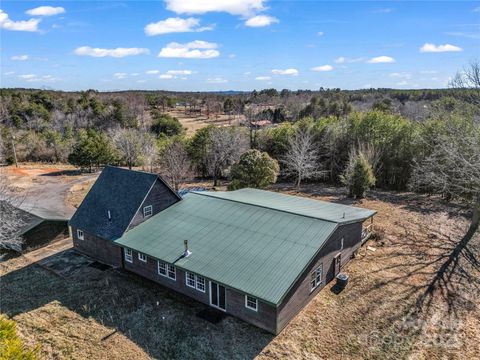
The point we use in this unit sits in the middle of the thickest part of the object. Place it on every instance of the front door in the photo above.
(337, 262)
(217, 296)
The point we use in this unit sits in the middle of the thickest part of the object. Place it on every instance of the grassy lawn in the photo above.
(409, 299)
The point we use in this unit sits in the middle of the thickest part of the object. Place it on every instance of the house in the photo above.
(257, 255)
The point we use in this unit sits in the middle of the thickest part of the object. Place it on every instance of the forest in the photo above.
(390, 139)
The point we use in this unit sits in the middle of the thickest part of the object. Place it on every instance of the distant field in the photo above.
(385, 312)
(194, 122)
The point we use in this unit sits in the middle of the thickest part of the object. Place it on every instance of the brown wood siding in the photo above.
(300, 293)
(264, 318)
(100, 249)
(160, 197)
(45, 233)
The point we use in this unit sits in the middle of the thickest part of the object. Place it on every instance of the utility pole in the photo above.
(14, 151)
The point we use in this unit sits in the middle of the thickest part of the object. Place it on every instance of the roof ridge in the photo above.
(205, 193)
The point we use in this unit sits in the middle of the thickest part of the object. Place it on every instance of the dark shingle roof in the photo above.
(119, 191)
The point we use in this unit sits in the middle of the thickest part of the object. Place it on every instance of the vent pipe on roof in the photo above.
(344, 215)
(187, 252)
(109, 215)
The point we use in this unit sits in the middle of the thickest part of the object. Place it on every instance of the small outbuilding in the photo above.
(39, 227)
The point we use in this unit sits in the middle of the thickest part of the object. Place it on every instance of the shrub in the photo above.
(358, 176)
(254, 169)
(166, 124)
(11, 347)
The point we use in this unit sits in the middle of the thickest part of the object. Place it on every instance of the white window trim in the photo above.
(80, 234)
(167, 272)
(317, 284)
(142, 257)
(204, 283)
(195, 281)
(148, 208)
(128, 255)
(248, 306)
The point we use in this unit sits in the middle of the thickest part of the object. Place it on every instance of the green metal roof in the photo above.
(296, 205)
(255, 249)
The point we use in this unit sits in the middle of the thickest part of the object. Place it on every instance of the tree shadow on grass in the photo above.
(160, 321)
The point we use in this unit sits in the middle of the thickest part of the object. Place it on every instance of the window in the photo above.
(128, 255)
(201, 283)
(147, 210)
(142, 257)
(316, 277)
(190, 279)
(80, 234)
(195, 281)
(167, 270)
(251, 302)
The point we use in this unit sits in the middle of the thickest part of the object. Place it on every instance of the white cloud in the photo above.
(24, 25)
(381, 60)
(141, 81)
(292, 72)
(179, 72)
(120, 75)
(320, 33)
(323, 68)
(134, 74)
(152, 72)
(263, 78)
(166, 76)
(432, 48)
(8, 73)
(232, 56)
(193, 50)
(175, 25)
(19, 57)
(38, 78)
(117, 52)
(402, 75)
(233, 7)
(217, 80)
(428, 71)
(344, 60)
(45, 11)
(402, 83)
(477, 9)
(261, 20)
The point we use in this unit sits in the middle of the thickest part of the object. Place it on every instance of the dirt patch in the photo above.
(77, 192)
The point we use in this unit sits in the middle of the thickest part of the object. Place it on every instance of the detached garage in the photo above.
(39, 227)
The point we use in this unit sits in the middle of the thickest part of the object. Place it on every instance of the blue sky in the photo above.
(193, 45)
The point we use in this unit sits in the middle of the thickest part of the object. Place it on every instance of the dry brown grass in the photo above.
(386, 312)
(194, 122)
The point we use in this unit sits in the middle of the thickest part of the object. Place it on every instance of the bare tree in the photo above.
(129, 144)
(469, 77)
(453, 168)
(175, 163)
(301, 159)
(225, 146)
(149, 150)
